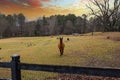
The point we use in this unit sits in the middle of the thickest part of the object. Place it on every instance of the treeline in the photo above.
(106, 18)
(11, 25)
(16, 25)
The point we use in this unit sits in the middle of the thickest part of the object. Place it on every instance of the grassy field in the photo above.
(83, 50)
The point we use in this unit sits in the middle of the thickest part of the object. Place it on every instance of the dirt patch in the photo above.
(113, 38)
(79, 77)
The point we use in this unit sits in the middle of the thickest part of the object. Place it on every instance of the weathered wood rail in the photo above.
(16, 68)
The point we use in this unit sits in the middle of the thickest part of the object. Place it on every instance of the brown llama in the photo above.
(61, 46)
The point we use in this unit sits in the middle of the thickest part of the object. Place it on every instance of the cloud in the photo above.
(7, 3)
(33, 3)
(36, 8)
(28, 3)
(46, 0)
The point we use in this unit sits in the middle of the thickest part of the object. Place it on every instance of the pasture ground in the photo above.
(100, 50)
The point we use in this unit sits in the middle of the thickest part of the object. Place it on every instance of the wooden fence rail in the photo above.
(5, 64)
(106, 72)
(16, 68)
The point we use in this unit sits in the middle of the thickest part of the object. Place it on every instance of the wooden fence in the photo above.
(16, 67)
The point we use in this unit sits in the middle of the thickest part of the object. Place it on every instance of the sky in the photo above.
(37, 8)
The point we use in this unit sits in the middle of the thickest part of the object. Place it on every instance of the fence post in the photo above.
(15, 67)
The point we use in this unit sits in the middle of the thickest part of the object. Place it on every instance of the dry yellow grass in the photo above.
(87, 50)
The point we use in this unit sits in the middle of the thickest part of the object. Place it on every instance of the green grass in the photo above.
(87, 50)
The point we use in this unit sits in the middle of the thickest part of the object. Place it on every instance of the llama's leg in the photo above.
(60, 52)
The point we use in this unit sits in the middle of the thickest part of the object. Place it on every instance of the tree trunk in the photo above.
(1, 36)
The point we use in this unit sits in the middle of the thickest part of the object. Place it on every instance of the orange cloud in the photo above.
(46, 0)
(33, 8)
(33, 3)
(7, 3)
(28, 3)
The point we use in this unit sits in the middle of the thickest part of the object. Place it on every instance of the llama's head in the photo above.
(61, 39)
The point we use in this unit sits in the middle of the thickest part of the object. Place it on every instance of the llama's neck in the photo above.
(61, 41)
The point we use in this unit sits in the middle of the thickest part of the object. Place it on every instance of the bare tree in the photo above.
(78, 24)
(84, 22)
(107, 11)
(68, 27)
(21, 21)
(3, 25)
